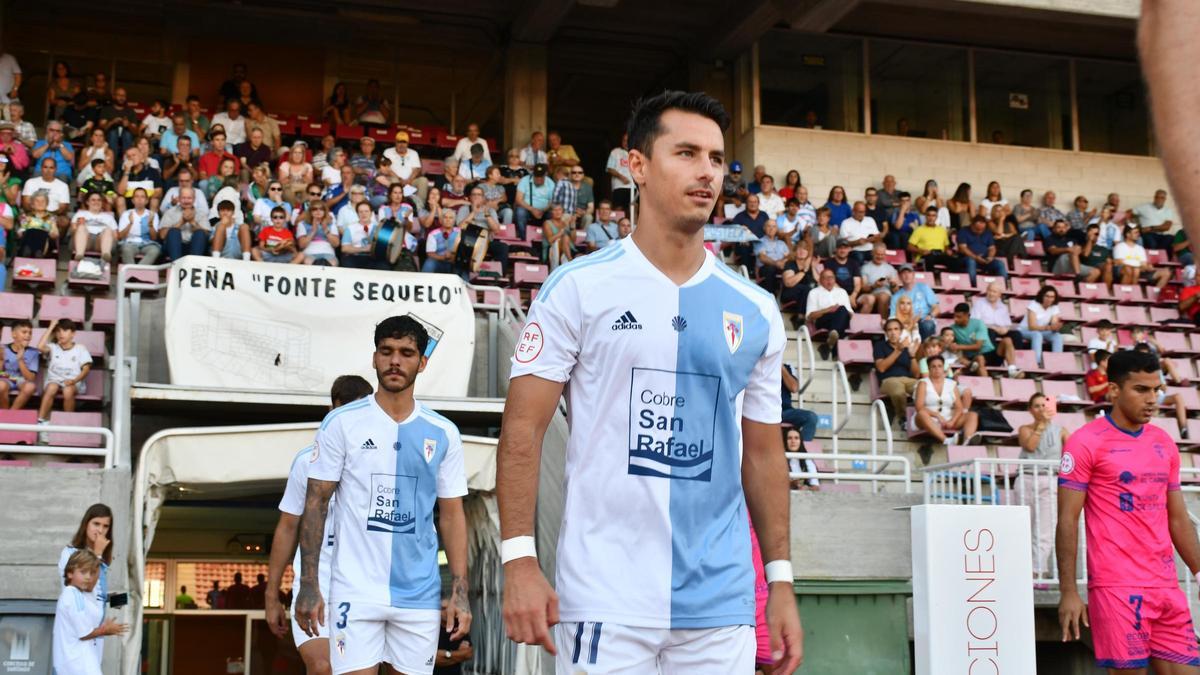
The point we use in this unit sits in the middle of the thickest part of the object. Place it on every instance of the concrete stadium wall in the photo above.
(42, 509)
(855, 161)
(851, 536)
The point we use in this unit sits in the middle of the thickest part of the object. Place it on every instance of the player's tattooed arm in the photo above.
(453, 526)
(458, 596)
(309, 605)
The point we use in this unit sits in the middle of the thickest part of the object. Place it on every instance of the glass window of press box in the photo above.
(918, 90)
(1023, 100)
(810, 81)
(924, 91)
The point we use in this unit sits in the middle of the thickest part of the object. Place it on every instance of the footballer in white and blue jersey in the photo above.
(385, 588)
(292, 503)
(654, 570)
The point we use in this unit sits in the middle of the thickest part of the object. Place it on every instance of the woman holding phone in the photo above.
(1041, 439)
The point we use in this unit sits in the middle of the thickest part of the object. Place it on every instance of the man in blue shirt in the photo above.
(772, 254)
(925, 303)
(533, 198)
(754, 220)
(54, 147)
(977, 248)
(169, 144)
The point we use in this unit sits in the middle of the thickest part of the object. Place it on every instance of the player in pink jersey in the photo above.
(1123, 472)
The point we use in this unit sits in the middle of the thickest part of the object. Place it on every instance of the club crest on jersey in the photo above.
(1068, 463)
(732, 329)
(430, 448)
(340, 643)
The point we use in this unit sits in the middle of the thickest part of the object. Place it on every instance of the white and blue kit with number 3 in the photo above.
(654, 549)
(385, 590)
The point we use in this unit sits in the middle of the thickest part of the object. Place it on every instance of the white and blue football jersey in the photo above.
(389, 477)
(294, 495)
(659, 377)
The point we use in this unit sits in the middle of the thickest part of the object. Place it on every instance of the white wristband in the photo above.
(779, 570)
(517, 547)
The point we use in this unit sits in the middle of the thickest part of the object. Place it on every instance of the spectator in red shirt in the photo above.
(276, 243)
(1096, 380)
(1189, 296)
(211, 160)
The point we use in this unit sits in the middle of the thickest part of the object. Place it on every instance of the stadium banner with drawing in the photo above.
(250, 325)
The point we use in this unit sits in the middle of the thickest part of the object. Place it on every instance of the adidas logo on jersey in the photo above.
(430, 661)
(369, 445)
(626, 322)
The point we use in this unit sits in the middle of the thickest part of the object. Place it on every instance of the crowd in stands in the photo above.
(106, 181)
(883, 256)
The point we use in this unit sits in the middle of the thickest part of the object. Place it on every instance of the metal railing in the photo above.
(1010, 482)
(105, 452)
(805, 354)
(874, 477)
(879, 414)
(838, 376)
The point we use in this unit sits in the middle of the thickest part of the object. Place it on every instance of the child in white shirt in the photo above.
(68, 365)
(79, 621)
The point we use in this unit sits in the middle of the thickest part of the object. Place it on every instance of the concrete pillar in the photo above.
(525, 84)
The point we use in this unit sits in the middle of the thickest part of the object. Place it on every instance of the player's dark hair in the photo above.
(349, 388)
(397, 327)
(645, 122)
(1126, 362)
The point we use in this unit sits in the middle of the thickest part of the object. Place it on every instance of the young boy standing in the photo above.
(68, 363)
(78, 620)
(20, 367)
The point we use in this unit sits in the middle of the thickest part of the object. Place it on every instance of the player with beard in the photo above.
(388, 459)
(671, 364)
(313, 650)
(1123, 472)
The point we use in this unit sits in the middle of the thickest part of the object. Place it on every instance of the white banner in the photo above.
(972, 590)
(251, 325)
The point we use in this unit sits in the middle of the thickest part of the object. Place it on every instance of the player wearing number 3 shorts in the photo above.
(1123, 472)
(390, 460)
(671, 366)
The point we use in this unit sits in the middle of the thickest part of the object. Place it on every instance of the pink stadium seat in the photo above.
(964, 453)
(1155, 295)
(983, 389)
(1127, 293)
(1161, 315)
(1094, 292)
(1025, 267)
(1026, 287)
(104, 312)
(956, 282)
(76, 419)
(18, 417)
(514, 296)
(15, 463)
(16, 306)
(983, 281)
(1034, 249)
(1069, 311)
(1016, 419)
(1017, 308)
(1169, 425)
(1014, 391)
(896, 257)
(348, 132)
(1070, 420)
(1132, 315)
(1173, 343)
(490, 272)
(1026, 361)
(41, 271)
(1194, 429)
(1158, 257)
(62, 307)
(1092, 313)
(1194, 338)
(1065, 288)
(856, 352)
(1008, 452)
(926, 278)
(1065, 391)
(1061, 364)
(383, 136)
(489, 295)
(947, 301)
(104, 281)
(525, 274)
(823, 465)
(508, 233)
(866, 324)
(310, 129)
(1189, 396)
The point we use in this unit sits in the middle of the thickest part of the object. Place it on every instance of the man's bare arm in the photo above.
(1167, 38)
(310, 608)
(452, 522)
(1183, 533)
(765, 483)
(530, 605)
(283, 547)
(1071, 610)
